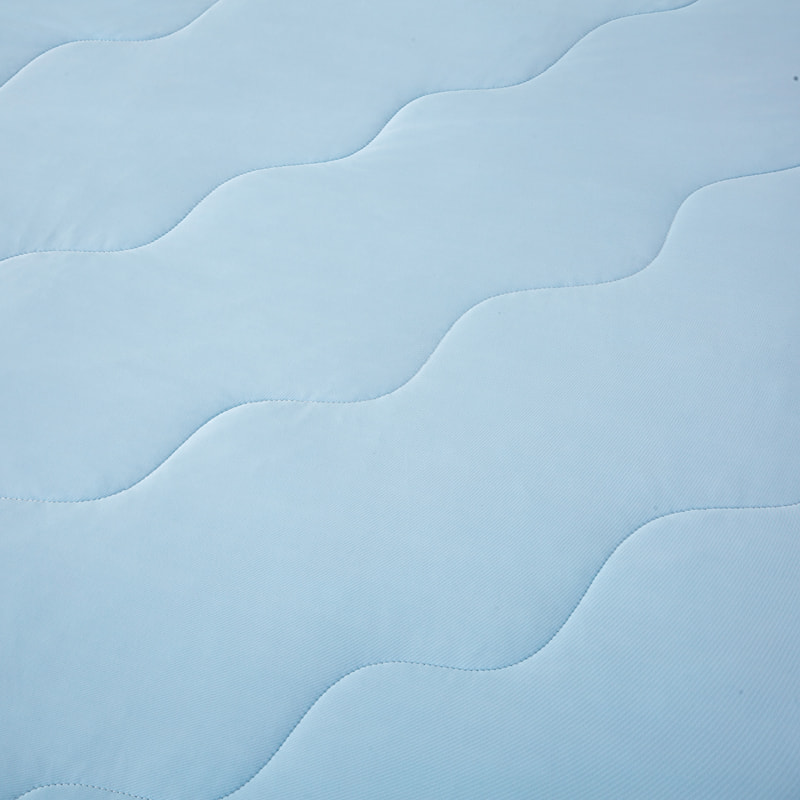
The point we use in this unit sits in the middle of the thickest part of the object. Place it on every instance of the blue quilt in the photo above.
(399, 399)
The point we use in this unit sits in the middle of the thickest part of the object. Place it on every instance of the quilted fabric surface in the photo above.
(399, 399)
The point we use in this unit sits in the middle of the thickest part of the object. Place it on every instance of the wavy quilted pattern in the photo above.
(33, 28)
(249, 85)
(640, 695)
(318, 269)
(459, 459)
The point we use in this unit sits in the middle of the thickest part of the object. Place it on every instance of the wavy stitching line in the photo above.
(537, 651)
(430, 355)
(359, 149)
(288, 400)
(82, 786)
(109, 41)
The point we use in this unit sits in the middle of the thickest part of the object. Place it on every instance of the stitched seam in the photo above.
(421, 367)
(110, 41)
(525, 658)
(82, 786)
(537, 651)
(358, 149)
(436, 347)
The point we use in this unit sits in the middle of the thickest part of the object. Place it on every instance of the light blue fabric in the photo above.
(30, 28)
(466, 465)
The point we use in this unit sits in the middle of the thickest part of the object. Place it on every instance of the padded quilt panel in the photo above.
(399, 400)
